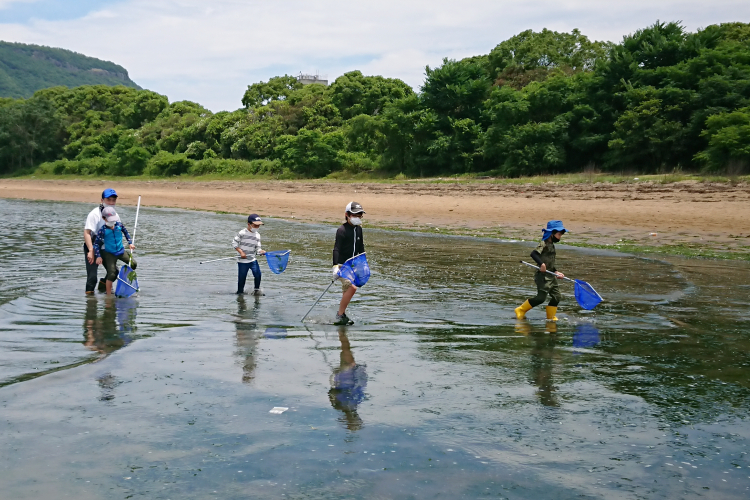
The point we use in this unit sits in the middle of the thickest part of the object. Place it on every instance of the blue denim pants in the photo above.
(243, 268)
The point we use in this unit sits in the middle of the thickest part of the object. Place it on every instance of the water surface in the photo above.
(436, 391)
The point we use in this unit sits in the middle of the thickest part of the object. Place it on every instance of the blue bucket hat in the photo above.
(553, 226)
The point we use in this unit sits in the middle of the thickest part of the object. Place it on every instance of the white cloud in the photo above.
(4, 4)
(209, 54)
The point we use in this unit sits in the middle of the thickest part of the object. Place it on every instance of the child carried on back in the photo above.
(108, 246)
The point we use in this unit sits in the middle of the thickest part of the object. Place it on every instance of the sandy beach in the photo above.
(711, 215)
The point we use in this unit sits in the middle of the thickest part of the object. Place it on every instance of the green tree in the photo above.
(310, 153)
(31, 131)
(355, 94)
(728, 137)
(276, 89)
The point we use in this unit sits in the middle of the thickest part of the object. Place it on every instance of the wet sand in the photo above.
(708, 215)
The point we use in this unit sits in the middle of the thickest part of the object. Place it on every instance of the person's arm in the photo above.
(95, 242)
(537, 257)
(340, 235)
(127, 236)
(87, 240)
(236, 245)
(258, 249)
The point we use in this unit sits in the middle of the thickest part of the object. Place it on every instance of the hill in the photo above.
(24, 69)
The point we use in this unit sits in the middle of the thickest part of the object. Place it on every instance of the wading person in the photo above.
(349, 243)
(546, 284)
(94, 223)
(108, 246)
(247, 244)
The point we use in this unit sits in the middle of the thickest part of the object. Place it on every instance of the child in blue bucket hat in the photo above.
(546, 284)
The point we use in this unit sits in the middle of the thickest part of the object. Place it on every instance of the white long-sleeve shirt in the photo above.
(249, 242)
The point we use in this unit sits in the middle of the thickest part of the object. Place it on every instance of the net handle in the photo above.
(135, 228)
(548, 272)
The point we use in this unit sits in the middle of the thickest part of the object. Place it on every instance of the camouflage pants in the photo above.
(110, 263)
(546, 284)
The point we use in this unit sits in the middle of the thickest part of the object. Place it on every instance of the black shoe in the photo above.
(102, 287)
(239, 292)
(343, 319)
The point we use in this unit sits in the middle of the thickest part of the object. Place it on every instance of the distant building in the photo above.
(316, 78)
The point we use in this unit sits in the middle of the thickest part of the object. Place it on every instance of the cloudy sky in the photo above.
(209, 51)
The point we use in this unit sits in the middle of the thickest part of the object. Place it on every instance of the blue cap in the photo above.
(254, 219)
(553, 226)
(109, 193)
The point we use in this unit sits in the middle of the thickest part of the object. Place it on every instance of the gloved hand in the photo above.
(335, 271)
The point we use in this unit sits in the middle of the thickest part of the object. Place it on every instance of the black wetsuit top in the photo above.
(345, 247)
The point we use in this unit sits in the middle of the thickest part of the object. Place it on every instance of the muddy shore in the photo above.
(688, 214)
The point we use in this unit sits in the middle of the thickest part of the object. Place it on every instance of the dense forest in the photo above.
(24, 69)
(540, 102)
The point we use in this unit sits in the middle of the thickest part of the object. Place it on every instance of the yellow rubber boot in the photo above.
(522, 310)
(551, 311)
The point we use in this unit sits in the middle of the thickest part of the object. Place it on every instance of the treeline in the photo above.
(538, 103)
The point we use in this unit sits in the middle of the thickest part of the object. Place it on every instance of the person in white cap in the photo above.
(247, 244)
(108, 245)
(349, 243)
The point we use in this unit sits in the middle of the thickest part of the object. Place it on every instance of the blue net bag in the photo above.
(586, 296)
(586, 335)
(277, 260)
(348, 386)
(127, 282)
(275, 333)
(356, 270)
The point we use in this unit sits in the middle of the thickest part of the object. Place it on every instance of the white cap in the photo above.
(110, 214)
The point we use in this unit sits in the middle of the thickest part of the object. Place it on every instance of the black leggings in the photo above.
(91, 271)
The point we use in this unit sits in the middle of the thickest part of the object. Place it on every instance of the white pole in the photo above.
(135, 228)
(225, 258)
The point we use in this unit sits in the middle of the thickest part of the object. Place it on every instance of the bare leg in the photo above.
(109, 287)
(346, 298)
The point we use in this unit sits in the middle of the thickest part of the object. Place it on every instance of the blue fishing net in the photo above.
(348, 385)
(275, 333)
(127, 282)
(586, 335)
(277, 260)
(356, 270)
(586, 296)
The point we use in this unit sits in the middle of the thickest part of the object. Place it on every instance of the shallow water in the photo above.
(436, 392)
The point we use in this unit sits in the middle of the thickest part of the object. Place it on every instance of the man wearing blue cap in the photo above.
(546, 284)
(94, 223)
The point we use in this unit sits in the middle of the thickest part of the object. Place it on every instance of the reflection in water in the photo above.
(246, 339)
(111, 331)
(542, 362)
(586, 335)
(348, 383)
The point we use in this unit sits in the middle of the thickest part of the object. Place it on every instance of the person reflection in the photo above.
(542, 364)
(348, 383)
(113, 329)
(107, 333)
(246, 338)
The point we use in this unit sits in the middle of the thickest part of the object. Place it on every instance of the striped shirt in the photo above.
(249, 242)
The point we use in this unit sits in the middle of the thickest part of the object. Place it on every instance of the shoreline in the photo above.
(682, 218)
